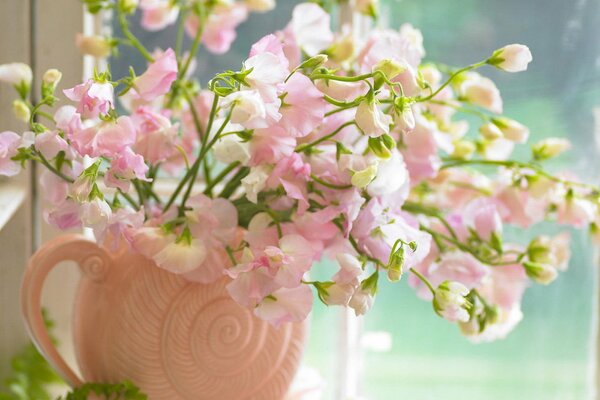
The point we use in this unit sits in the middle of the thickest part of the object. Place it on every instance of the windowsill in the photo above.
(12, 195)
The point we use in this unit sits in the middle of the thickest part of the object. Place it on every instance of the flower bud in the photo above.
(52, 77)
(511, 129)
(21, 110)
(361, 179)
(404, 116)
(390, 68)
(129, 6)
(93, 45)
(449, 301)
(549, 148)
(260, 5)
(463, 149)
(543, 274)
(511, 58)
(379, 148)
(16, 73)
(314, 62)
(367, 7)
(490, 131)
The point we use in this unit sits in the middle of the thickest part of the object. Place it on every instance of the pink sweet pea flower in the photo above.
(157, 79)
(9, 143)
(49, 143)
(68, 120)
(156, 136)
(64, 215)
(214, 223)
(392, 45)
(268, 74)
(54, 188)
(291, 260)
(149, 240)
(482, 215)
(120, 225)
(219, 31)
(304, 106)
(293, 174)
(93, 98)
(460, 267)
(311, 28)
(252, 279)
(125, 167)
(505, 286)
(377, 228)
(110, 139)
(421, 151)
(316, 227)
(158, 14)
(481, 92)
(520, 207)
(270, 44)
(576, 211)
(270, 145)
(286, 305)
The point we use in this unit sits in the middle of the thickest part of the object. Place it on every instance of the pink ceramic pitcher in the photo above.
(173, 338)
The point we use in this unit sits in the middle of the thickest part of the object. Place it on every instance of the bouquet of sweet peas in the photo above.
(320, 145)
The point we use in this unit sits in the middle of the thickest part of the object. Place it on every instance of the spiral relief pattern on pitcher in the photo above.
(181, 340)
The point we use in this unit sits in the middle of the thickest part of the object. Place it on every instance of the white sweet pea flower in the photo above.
(543, 274)
(511, 129)
(392, 174)
(481, 91)
(550, 147)
(248, 107)
(371, 120)
(362, 301)
(52, 77)
(93, 45)
(16, 73)
(449, 301)
(231, 149)
(511, 58)
(255, 181)
(490, 131)
(95, 214)
(181, 255)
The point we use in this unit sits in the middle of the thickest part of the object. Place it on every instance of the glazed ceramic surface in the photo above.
(173, 338)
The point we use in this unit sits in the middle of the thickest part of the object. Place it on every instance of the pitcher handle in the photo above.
(63, 248)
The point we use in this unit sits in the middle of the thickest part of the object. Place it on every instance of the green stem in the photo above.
(449, 81)
(129, 199)
(220, 177)
(424, 280)
(195, 44)
(131, 37)
(515, 164)
(304, 147)
(329, 185)
(52, 168)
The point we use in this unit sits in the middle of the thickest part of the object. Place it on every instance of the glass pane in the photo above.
(320, 353)
(551, 352)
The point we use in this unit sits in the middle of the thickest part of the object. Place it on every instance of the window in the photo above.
(551, 354)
